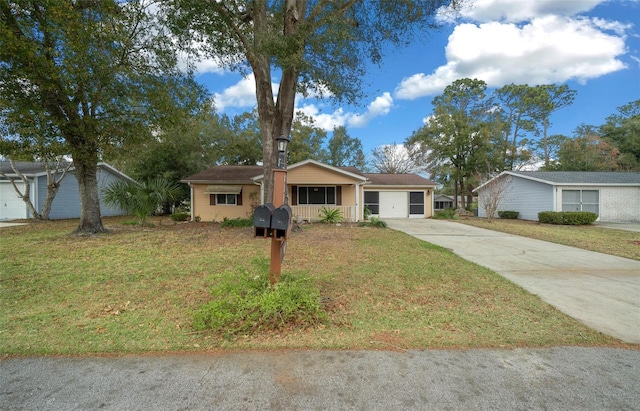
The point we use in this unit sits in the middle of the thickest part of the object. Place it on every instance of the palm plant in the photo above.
(141, 199)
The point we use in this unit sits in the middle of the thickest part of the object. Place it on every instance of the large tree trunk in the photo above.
(90, 219)
(275, 117)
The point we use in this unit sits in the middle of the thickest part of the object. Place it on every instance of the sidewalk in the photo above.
(600, 290)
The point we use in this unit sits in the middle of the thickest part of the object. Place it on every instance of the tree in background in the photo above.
(549, 98)
(623, 130)
(344, 150)
(588, 151)
(315, 45)
(98, 73)
(397, 159)
(306, 140)
(459, 134)
(516, 104)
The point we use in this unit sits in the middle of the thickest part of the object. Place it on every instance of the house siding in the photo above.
(525, 196)
(616, 203)
(202, 208)
(310, 174)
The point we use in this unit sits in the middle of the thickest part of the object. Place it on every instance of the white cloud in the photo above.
(523, 10)
(548, 49)
(328, 121)
(379, 107)
(242, 94)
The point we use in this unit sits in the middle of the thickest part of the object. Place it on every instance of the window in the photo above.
(318, 195)
(225, 199)
(416, 202)
(581, 200)
(372, 201)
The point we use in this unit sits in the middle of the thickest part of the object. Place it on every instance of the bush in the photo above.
(550, 217)
(237, 222)
(180, 216)
(374, 222)
(446, 214)
(567, 217)
(330, 215)
(245, 301)
(508, 215)
(579, 217)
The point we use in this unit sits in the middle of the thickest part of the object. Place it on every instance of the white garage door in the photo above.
(11, 206)
(394, 204)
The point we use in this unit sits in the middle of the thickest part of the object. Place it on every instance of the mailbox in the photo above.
(281, 222)
(262, 220)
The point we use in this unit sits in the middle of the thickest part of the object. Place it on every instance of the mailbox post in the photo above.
(279, 242)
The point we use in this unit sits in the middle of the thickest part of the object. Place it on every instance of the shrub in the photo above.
(508, 215)
(579, 217)
(244, 301)
(550, 217)
(237, 222)
(330, 215)
(366, 213)
(446, 214)
(567, 217)
(181, 216)
(374, 222)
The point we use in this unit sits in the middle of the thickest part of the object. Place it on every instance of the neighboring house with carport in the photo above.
(613, 196)
(234, 191)
(66, 203)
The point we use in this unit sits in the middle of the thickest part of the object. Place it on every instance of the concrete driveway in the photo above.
(600, 290)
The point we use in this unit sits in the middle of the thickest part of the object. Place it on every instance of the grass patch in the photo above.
(137, 289)
(603, 240)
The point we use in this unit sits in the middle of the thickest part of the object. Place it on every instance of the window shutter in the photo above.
(239, 198)
(212, 199)
(294, 195)
(339, 195)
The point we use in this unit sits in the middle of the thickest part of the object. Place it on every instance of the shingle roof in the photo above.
(226, 174)
(581, 177)
(399, 180)
(25, 167)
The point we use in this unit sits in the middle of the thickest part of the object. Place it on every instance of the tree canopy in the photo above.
(94, 75)
(315, 46)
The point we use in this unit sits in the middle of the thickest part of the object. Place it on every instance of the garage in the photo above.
(11, 206)
(395, 204)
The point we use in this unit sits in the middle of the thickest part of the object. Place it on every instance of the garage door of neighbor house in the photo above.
(11, 206)
(394, 204)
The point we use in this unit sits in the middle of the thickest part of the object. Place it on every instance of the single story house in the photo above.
(66, 203)
(234, 191)
(613, 196)
(442, 202)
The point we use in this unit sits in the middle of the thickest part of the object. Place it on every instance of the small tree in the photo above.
(56, 171)
(491, 196)
(141, 199)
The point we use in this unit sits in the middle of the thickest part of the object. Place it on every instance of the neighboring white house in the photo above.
(613, 196)
(67, 200)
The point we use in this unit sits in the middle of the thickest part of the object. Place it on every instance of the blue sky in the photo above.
(593, 46)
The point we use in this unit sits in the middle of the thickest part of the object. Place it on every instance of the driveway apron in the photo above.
(601, 291)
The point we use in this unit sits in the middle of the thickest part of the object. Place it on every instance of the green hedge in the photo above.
(180, 216)
(567, 217)
(508, 215)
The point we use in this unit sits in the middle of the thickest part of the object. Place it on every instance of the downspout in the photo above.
(357, 204)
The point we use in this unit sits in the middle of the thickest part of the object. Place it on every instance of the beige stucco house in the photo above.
(234, 191)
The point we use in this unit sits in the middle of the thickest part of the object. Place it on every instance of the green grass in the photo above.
(590, 237)
(137, 289)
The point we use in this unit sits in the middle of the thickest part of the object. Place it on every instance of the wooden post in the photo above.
(278, 246)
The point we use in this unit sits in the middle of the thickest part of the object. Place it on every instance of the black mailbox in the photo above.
(262, 220)
(281, 221)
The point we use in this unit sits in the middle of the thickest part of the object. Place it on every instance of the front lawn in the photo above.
(136, 290)
(588, 237)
